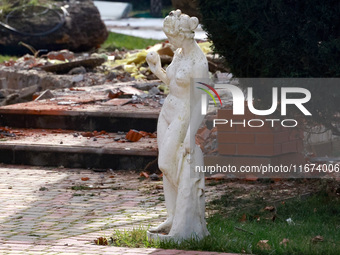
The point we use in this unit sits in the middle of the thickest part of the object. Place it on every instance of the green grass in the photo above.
(318, 215)
(136, 238)
(4, 58)
(80, 187)
(120, 41)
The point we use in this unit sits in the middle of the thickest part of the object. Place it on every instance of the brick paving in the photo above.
(47, 210)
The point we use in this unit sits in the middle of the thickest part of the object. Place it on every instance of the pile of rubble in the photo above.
(21, 78)
(63, 78)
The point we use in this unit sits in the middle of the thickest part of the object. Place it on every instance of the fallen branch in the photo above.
(243, 230)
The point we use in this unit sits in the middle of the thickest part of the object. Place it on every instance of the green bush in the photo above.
(281, 38)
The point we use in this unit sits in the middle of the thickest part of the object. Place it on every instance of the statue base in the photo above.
(159, 237)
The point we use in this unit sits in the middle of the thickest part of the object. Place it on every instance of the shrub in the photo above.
(281, 38)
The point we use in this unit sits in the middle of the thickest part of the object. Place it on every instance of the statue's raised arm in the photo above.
(154, 62)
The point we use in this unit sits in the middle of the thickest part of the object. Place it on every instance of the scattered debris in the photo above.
(101, 241)
(269, 208)
(284, 242)
(144, 174)
(243, 230)
(128, 90)
(263, 245)
(47, 94)
(207, 139)
(115, 93)
(216, 177)
(154, 91)
(154, 177)
(66, 67)
(243, 218)
(10, 96)
(63, 55)
(317, 239)
(133, 135)
(5, 131)
(77, 70)
(94, 133)
(78, 78)
(290, 221)
(152, 167)
(118, 101)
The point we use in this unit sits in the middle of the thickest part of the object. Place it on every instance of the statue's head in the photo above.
(177, 24)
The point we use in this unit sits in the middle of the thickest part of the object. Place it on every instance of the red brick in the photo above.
(225, 114)
(212, 160)
(281, 137)
(225, 127)
(227, 149)
(289, 147)
(265, 128)
(249, 115)
(265, 138)
(250, 161)
(277, 149)
(133, 135)
(224, 137)
(254, 149)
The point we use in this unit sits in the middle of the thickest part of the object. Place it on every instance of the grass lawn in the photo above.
(314, 228)
(120, 41)
(114, 41)
(4, 58)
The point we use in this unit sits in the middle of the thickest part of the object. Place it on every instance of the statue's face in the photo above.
(177, 40)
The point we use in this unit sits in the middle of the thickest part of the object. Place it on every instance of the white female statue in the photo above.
(178, 123)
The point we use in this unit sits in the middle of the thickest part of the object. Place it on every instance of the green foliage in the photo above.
(282, 38)
(4, 58)
(120, 41)
(136, 238)
(80, 187)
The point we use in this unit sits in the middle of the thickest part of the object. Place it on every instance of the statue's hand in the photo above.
(154, 61)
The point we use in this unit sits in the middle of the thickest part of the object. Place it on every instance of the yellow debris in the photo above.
(206, 47)
(137, 58)
(132, 62)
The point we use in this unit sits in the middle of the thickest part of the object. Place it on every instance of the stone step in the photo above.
(86, 108)
(87, 118)
(74, 149)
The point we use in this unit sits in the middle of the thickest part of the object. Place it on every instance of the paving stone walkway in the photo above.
(61, 211)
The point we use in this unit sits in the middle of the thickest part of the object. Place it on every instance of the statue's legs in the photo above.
(169, 140)
(170, 195)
